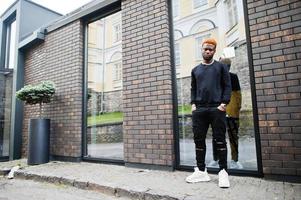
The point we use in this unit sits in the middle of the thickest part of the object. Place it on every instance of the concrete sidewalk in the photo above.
(151, 184)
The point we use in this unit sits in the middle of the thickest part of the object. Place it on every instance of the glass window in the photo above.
(117, 73)
(198, 46)
(232, 12)
(104, 86)
(199, 3)
(6, 83)
(177, 54)
(117, 32)
(190, 30)
(10, 45)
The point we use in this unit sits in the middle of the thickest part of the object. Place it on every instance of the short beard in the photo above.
(208, 59)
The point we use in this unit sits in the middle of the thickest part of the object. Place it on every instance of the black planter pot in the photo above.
(38, 145)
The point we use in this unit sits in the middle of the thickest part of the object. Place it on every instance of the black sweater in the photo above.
(210, 84)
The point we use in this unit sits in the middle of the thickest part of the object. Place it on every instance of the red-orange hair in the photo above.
(209, 41)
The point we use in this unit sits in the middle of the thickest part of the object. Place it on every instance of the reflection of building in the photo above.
(104, 54)
(105, 64)
(211, 19)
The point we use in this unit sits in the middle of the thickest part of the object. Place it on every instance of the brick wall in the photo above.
(276, 42)
(147, 85)
(59, 59)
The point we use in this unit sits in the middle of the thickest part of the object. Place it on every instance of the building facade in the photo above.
(19, 24)
(122, 73)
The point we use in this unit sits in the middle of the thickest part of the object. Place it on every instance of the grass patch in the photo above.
(184, 109)
(114, 117)
(110, 117)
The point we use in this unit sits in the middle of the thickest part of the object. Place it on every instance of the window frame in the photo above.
(102, 13)
(232, 13)
(177, 54)
(117, 34)
(9, 44)
(117, 71)
(6, 41)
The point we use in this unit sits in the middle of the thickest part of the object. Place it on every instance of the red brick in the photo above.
(152, 91)
(61, 62)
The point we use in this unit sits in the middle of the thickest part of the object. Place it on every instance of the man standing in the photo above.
(210, 93)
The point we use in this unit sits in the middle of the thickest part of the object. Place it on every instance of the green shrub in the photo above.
(37, 94)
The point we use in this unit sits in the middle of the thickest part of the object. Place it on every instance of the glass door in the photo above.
(104, 112)
(224, 21)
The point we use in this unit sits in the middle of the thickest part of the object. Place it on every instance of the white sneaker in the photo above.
(213, 163)
(198, 176)
(223, 179)
(235, 165)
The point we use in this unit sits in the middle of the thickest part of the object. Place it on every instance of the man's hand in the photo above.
(193, 107)
(222, 107)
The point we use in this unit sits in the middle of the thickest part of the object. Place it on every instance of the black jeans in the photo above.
(202, 117)
(232, 128)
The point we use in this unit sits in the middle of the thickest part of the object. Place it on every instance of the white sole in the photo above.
(198, 180)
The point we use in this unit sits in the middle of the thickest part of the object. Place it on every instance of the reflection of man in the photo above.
(210, 92)
(232, 117)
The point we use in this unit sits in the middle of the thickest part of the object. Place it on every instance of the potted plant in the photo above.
(39, 128)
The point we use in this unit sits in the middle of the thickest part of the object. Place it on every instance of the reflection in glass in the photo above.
(224, 21)
(6, 81)
(104, 107)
